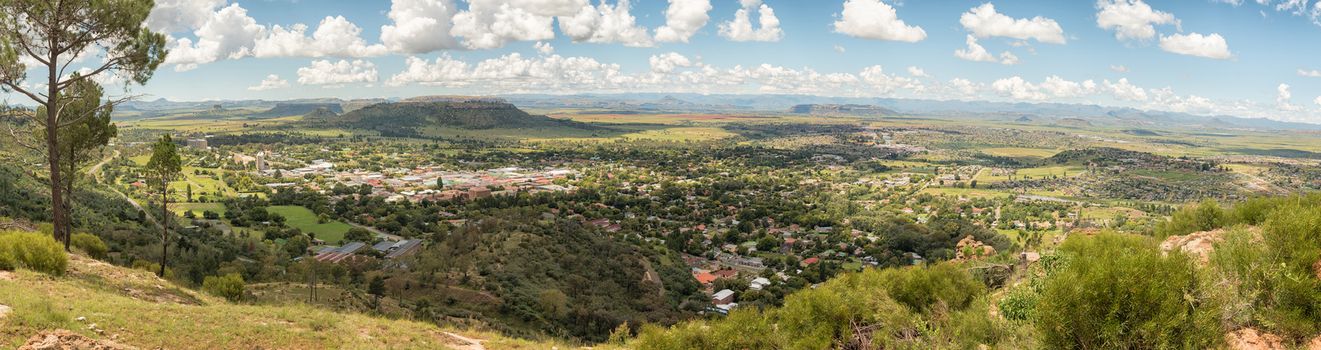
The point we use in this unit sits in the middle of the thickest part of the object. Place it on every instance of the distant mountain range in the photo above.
(1040, 113)
(413, 117)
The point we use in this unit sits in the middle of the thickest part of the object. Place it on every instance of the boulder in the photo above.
(66, 340)
(1251, 339)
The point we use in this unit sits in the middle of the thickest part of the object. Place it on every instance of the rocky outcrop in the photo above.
(1198, 245)
(66, 340)
(1251, 339)
(969, 248)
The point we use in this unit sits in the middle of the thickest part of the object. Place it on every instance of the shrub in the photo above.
(89, 244)
(1203, 216)
(229, 286)
(1267, 280)
(1118, 291)
(33, 251)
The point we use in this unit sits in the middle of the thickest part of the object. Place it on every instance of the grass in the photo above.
(140, 310)
(965, 192)
(303, 219)
(1019, 152)
(1035, 173)
(197, 208)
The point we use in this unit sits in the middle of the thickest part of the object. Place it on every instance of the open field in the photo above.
(303, 219)
(1019, 152)
(1034, 173)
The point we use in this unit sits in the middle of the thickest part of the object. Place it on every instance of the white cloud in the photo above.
(606, 24)
(984, 22)
(740, 28)
(419, 26)
(1284, 98)
(1194, 44)
(1131, 19)
(1317, 100)
(917, 72)
(334, 36)
(873, 19)
(683, 19)
(513, 73)
(173, 16)
(1017, 88)
(324, 72)
(228, 33)
(668, 62)
(1309, 73)
(1119, 68)
(964, 86)
(543, 48)
(1123, 90)
(488, 24)
(975, 52)
(839, 49)
(270, 83)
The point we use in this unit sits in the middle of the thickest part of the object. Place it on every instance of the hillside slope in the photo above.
(411, 118)
(135, 309)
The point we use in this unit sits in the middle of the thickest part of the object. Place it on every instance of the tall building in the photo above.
(261, 161)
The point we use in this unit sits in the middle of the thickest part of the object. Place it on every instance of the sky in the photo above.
(1252, 58)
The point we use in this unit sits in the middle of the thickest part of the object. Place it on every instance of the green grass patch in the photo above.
(302, 218)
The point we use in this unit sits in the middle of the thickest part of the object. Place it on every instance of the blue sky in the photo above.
(1257, 58)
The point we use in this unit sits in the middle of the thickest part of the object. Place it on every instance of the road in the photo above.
(135, 204)
(95, 170)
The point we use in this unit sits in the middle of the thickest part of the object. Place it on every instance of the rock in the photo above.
(1198, 245)
(969, 248)
(4, 311)
(1316, 269)
(66, 340)
(1315, 344)
(1251, 339)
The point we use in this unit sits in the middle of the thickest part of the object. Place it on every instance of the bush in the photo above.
(33, 251)
(229, 286)
(1266, 280)
(89, 244)
(1203, 216)
(1119, 292)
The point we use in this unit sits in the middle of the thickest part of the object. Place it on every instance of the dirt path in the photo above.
(651, 275)
(375, 231)
(466, 343)
(95, 170)
(135, 204)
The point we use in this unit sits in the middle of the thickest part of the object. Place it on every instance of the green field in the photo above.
(1036, 173)
(303, 219)
(197, 208)
(1019, 152)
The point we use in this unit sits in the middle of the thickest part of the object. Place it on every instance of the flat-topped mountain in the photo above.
(841, 109)
(408, 118)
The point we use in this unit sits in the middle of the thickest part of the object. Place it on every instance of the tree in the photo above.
(83, 139)
(52, 35)
(164, 167)
(358, 234)
(376, 288)
(440, 183)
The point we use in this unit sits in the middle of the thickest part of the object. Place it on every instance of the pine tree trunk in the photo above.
(59, 216)
(165, 226)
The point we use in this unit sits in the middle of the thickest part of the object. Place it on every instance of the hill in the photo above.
(410, 119)
(844, 109)
(100, 303)
(289, 109)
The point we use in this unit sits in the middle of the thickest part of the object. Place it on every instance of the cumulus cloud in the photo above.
(1317, 100)
(1131, 19)
(488, 24)
(668, 62)
(1309, 73)
(1123, 90)
(419, 26)
(1293, 7)
(917, 72)
(1194, 44)
(228, 33)
(325, 72)
(839, 49)
(543, 48)
(741, 29)
(984, 22)
(512, 72)
(270, 83)
(606, 24)
(683, 19)
(1053, 87)
(975, 52)
(1284, 98)
(964, 87)
(173, 16)
(1118, 68)
(334, 36)
(873, 19)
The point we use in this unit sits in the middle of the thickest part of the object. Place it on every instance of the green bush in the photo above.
(229, 286)
(1120, 292)
(33, 251)
(89, 244)
(1266, 280)
(920, 289)
(1203, 216)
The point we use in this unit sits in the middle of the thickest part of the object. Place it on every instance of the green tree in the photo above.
(229, 286)
(54, 34)
(164, 167)
(358, 234)
(83, 138)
